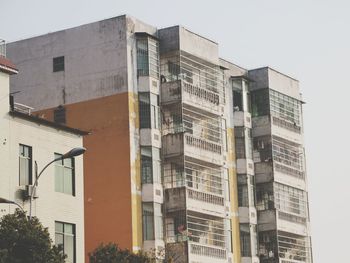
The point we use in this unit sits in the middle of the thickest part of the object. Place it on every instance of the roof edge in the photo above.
(45, 122)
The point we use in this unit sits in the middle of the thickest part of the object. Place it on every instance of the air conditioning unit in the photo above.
(29, 190)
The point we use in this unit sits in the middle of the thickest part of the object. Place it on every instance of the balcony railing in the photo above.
(204, 197)
(201, 93)
(203, 144)
(207, 251)
(192, 95)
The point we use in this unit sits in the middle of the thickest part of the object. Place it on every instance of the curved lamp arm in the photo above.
(6, 201)
(72, 153)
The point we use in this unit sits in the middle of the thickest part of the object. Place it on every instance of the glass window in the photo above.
(243, 198)
(144, 110)
(290, 200)
(246, 249)
(64, 175)
(147, 57)
(142, 57)
(246, 190)
(58, 64)
(287, 153)
(150, 165)
(293, 247)
(243, 143)
(285, 108)
(25, 165)
(148, 221)
(155, 111)
(65, 239)
(146, 165)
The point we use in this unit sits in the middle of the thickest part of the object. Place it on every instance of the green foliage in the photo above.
(24, 241)
(111, 253)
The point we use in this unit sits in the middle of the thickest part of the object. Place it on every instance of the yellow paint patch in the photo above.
(231, 160)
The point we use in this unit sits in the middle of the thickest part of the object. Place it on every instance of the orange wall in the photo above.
(107, 183)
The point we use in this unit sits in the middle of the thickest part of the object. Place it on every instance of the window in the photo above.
(144, 110)
(155, 111)
(64, 175)
(142, 57)
(290, 200)
(147, 57)
(285, 108)
(149, 110)
(147, 219)
(58, 64)
(245, 240)
(65, 239)
(246, 190)
(25, 165)
(152, 221)
(146, 165)
(150, 165)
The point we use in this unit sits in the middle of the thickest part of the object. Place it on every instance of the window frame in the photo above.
(30, 160)
(64, 234)
(64, 167)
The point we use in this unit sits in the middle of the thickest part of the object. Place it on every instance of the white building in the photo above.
(26, 139)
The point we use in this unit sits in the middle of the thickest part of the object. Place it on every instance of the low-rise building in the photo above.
(28, 143)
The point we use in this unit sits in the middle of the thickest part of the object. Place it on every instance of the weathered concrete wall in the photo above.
(259, 77)
(232, 70)
(180, 38)
(284, 84)
(270, 78)
(95, 64)
(169, 39)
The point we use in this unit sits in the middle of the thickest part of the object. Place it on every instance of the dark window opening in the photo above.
(59, 115)
(58, 64)
(237, 100)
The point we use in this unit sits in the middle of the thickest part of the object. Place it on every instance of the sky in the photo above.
(306, 39)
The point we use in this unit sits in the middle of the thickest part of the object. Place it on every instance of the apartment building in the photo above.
(28, 143)
(171, 163)
(280, 174)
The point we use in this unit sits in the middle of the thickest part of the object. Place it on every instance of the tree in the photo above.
(111, 253)
(26, 241)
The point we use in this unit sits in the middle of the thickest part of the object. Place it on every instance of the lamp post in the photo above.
(72, 153)
(6, 201)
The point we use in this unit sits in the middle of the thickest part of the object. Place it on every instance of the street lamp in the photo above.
(6, 201)
(72, 153)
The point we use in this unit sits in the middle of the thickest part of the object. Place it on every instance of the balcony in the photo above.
(188, 198)
(202, 235)
(191, 95)
(192, 146)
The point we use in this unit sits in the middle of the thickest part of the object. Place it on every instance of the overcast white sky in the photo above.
(309, 40)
